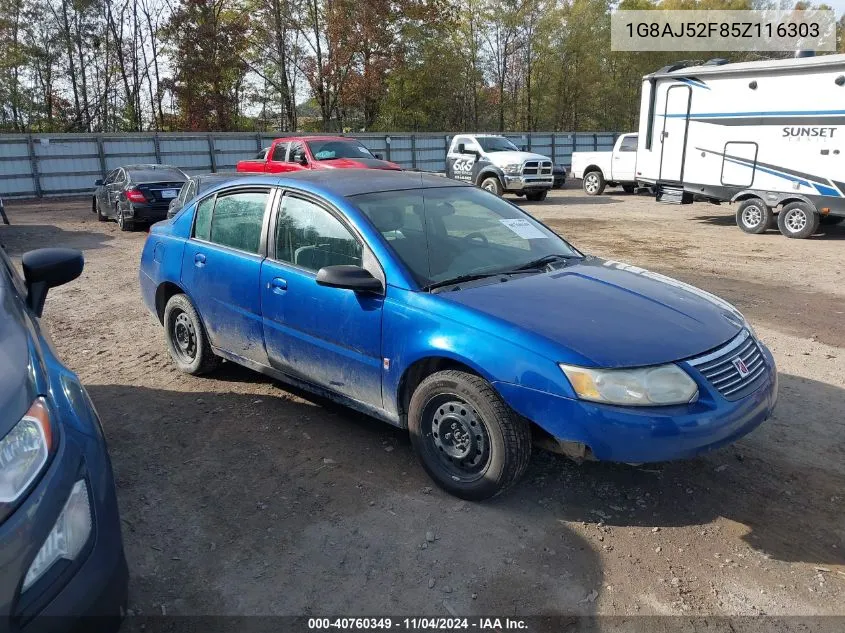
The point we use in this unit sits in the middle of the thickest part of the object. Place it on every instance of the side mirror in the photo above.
(348, 277)
(377, 156)
(174, 208)
(462, 149)
(47, 268)
(98, 182)
(302, 159)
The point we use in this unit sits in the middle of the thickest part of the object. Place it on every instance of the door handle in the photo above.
(199, 260)
(278, 285)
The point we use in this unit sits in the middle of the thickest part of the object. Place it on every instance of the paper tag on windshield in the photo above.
(524, 229)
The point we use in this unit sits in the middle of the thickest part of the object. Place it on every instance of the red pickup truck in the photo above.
(314, 152)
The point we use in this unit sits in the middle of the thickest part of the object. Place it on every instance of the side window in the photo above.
(629, 144)
(183, 192)
(309, 236)
(111, 177)
(237, 220)
(279, 152)
(120, 177)
(297, 149)
(202, 221)
(469, 145)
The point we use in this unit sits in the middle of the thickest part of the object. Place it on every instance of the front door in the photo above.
(329, 337)
(625, 160)
(674, 135)
(221, 267)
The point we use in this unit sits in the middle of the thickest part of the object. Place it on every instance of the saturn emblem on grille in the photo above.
(741, 367)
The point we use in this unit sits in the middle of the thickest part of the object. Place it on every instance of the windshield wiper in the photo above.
(459, 280)
(541, 262)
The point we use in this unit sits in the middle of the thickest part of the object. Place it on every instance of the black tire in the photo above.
(493, 445)
(798, 220)
(122, 223)
(492, 184)
(754, 216)
(99, 211)
(537, 196)
(831, 220)
(186, 339)
(593, 183)
(629, 188)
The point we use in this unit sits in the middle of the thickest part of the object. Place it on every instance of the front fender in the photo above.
(418, 325)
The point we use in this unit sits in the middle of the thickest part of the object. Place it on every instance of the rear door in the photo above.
(674, 135)
(221, 267)
(327, 336)
(625, 159)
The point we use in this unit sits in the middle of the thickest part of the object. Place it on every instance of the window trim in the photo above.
(338, 215)
(262, 242)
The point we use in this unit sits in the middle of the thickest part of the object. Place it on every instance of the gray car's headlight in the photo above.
(647, 386)
(512, 170)
(24, 452)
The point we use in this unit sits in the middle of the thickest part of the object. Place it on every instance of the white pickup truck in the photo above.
(600, 169)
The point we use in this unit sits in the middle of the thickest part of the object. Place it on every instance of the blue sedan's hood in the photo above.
(608, 314)
(17, 388)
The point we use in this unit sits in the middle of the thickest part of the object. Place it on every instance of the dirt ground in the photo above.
(240, 495)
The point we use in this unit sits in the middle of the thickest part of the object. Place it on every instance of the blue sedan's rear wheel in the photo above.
(187, 341)
(468, 440)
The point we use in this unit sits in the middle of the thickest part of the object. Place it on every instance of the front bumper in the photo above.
(528, 183)
(95, 583)
(648, 434)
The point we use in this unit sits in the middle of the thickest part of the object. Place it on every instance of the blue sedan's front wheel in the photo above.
(468, 440)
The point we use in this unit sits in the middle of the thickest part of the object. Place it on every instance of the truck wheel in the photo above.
(754, 216)
(537, 196)
(467, 439)
(186, 339)
(492, 184)
(629, 188)
(593, 183)
(798, 220)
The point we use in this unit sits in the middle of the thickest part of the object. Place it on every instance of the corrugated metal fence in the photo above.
(65, 164)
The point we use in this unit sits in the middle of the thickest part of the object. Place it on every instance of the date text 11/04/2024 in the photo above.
(723, 29)
(493, 624)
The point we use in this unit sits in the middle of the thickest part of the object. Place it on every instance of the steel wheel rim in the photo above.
(489, 186)
(795, 220)
(752, 216)
(183, 335)
(591, 183)
(456, 437)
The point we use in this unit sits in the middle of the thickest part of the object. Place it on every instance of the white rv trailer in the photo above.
(768, 134)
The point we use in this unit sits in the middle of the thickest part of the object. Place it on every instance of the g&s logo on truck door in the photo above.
(462, 168)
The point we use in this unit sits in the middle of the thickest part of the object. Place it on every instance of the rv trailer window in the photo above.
(652, 86)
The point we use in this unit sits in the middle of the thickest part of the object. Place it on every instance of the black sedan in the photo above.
(196, 185)
(137, 194)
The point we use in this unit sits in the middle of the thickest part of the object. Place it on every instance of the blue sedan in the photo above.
(61, 552)
(440, 308)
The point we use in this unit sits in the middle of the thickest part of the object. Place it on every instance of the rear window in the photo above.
(155, 175)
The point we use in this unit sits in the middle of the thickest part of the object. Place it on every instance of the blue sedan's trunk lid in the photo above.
(611, 314)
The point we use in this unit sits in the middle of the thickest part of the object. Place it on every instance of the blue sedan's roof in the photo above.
(350, 182)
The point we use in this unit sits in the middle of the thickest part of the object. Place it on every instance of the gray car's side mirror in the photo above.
(98, 182)
(349, 277)
(47, 268)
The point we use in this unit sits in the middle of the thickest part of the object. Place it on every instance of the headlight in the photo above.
(649, 386)
(512, 170)
(24, 452)
(68, 536)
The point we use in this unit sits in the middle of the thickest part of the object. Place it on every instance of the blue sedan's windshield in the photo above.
(451, 232)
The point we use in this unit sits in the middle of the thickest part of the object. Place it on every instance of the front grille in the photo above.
(534, 167)
(719, 369)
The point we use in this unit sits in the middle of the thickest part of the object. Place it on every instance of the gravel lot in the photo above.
(242, 496)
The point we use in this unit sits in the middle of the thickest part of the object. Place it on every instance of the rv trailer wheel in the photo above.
(593, 183)
(798, 220)
(753, 216)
